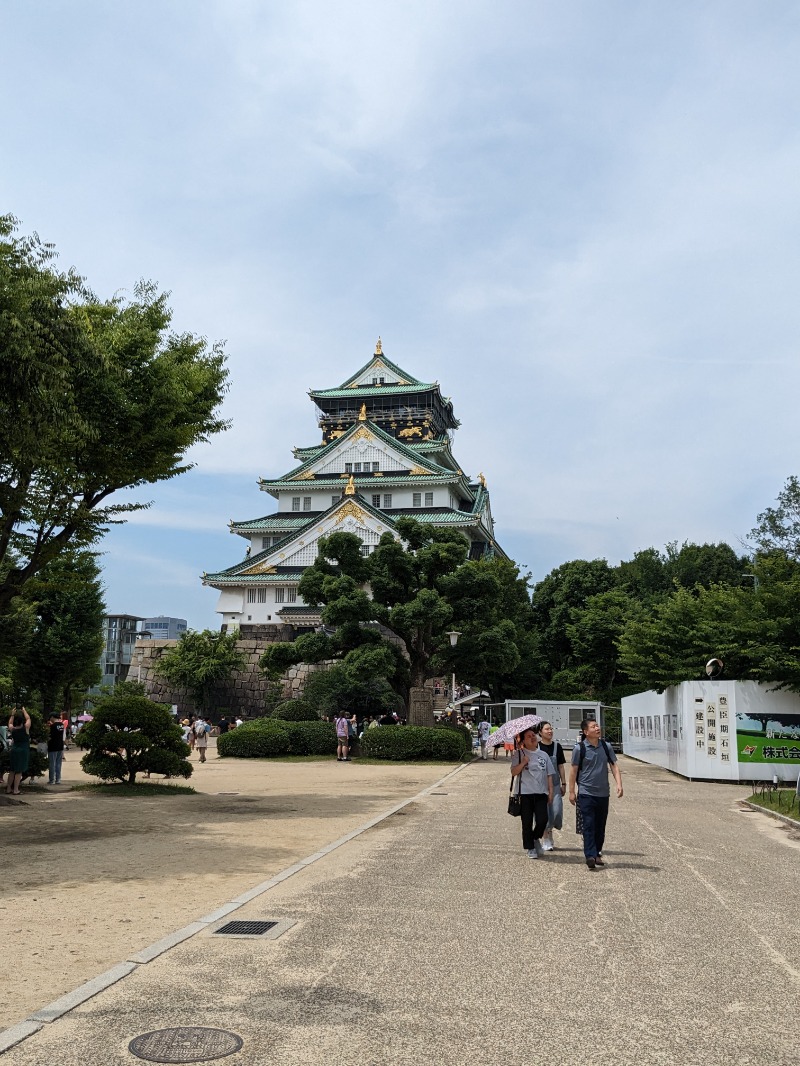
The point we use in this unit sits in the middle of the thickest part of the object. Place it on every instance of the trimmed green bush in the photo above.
(269, 738)
(413, 743)
(295, 711)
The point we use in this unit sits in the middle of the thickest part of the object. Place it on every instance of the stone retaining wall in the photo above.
(245, 694)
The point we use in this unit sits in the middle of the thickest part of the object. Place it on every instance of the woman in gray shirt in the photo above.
(536, 773)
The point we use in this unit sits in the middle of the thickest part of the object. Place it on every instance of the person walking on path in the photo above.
(201, 731)
(342, 724)
(55, 749)
(536, 789)
(19, 728)
(591, 760)
(555, 809)
(484, 728)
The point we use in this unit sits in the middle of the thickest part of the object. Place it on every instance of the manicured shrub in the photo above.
(414, 743)
(262, 738)
(268, 738)
(295, 711)
(130, 735)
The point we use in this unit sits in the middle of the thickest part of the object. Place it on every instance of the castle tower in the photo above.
(386, 451)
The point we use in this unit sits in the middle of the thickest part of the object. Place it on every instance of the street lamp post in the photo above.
(453, 634)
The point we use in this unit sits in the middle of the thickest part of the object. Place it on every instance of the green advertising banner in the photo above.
(768, 738)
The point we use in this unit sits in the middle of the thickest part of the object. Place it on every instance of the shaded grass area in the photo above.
(146, 788)
(781, 801)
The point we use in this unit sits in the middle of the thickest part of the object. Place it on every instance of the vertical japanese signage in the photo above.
(700, 724)
(723, 713)
(712, 729)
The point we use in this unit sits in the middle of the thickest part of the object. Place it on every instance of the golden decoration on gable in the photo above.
(260, 568)
(334, 433)
(309, 475)
(349, 510)
(362, 433)
(350, 487)
(419, 470)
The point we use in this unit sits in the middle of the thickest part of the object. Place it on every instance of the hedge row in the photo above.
(415, 743)
(266, 738)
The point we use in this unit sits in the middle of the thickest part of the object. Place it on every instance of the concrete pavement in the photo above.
(432, 938)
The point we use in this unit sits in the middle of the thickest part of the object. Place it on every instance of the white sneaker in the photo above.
(532, 853)
(547, 845)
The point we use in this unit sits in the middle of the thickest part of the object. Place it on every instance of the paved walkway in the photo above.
(431, 938)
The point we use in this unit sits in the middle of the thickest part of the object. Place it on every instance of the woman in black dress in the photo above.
(19, 728)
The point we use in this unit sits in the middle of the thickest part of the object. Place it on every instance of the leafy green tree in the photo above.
(199, 662)
(778, 528)
(555, 597)
(95, 397)
(404, 581)
(593, 633)
(704, 565)
(130, 735)
(491, 608)
(66, 640)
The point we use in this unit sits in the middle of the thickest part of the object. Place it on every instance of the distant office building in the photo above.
(120, 632)
(163, 628)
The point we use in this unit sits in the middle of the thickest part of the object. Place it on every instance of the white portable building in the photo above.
(716, 730)
(564, 716)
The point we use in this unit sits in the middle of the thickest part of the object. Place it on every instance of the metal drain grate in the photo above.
(246, 928)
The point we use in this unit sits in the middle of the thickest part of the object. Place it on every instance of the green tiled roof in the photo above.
(225, 577)
(370, 482)
(372, 390)
(379, 357)
(392, 442)
(271, 522)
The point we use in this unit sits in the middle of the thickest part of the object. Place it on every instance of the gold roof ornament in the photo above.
(349, 510)
(378, 347)
(482, 479)
(350, 487)
(362, 414)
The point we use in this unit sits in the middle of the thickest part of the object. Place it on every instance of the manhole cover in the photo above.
(190, 1043)
(246, 928)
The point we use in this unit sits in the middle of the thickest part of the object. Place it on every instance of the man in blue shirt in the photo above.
(591, 760)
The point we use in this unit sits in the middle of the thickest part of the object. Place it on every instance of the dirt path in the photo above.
(88, 879)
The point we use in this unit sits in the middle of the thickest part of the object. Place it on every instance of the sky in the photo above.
(581, 219)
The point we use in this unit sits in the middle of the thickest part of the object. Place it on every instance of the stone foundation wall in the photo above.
(246, 692)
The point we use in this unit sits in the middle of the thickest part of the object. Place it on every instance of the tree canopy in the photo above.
(199, 662)
(96, 396)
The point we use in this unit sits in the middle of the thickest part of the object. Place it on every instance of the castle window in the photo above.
(365, 549)
(264, 543)
(376, 466)
(295, 503)
(291, 595)
(262, 595)
(356, 468)
(376, 500)
(348, 468)
(280, 594)
(387, 500)
(306, 503)
(429, 499)
(417, 499)
(251, 595)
